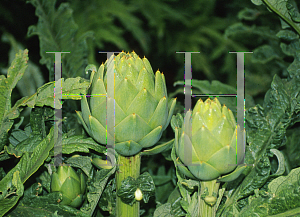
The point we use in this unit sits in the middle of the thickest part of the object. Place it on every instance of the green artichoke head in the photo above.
(206, 143)
(142, 109)
(71, 184)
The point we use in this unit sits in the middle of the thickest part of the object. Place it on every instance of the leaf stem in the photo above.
(127, 166)
(207, 198)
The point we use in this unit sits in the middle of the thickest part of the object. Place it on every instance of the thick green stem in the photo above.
(207, 198)
(127, 166)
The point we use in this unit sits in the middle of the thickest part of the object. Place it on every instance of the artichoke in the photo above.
(71, 184)
(142, 110)
(209, 134)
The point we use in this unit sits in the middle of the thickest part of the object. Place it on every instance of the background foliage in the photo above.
(156, 29)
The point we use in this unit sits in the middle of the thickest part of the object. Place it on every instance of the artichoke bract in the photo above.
(209, 135)
(142, 109)
(71, 184)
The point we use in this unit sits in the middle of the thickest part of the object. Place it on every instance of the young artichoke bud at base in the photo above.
(71, 184)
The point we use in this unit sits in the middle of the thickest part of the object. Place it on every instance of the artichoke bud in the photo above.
(208, 136)
(142, 109)
(71, 184)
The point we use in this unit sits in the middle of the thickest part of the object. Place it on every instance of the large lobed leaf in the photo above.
(266, 129)
(282, 198)
(57, 32)
(285, 9)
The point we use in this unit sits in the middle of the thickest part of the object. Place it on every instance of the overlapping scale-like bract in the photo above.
(206, 144)
(142, 109)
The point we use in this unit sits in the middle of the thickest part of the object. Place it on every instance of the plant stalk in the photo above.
(207, 198)
(127, 166)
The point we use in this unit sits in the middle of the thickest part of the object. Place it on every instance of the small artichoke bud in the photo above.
(71, 184)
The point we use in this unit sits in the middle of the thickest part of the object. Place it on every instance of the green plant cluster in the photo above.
(156, 179)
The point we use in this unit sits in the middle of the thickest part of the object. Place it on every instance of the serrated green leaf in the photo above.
(45, 180)
(37, 122)
(78, 143)
(108, 198)
(17, 136)
(44, 206)
(32, 78)
(163, 211)
(248, 14)
(264, 54)
(71, 89)
(257, 2)
(60, 34)
(11, 190)
(82, 162)
(28, 165)
(293, 10)
(14, 74)
(280, 8)
(282, 198)
(266, 129)
(287, 35)
(96, 189)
